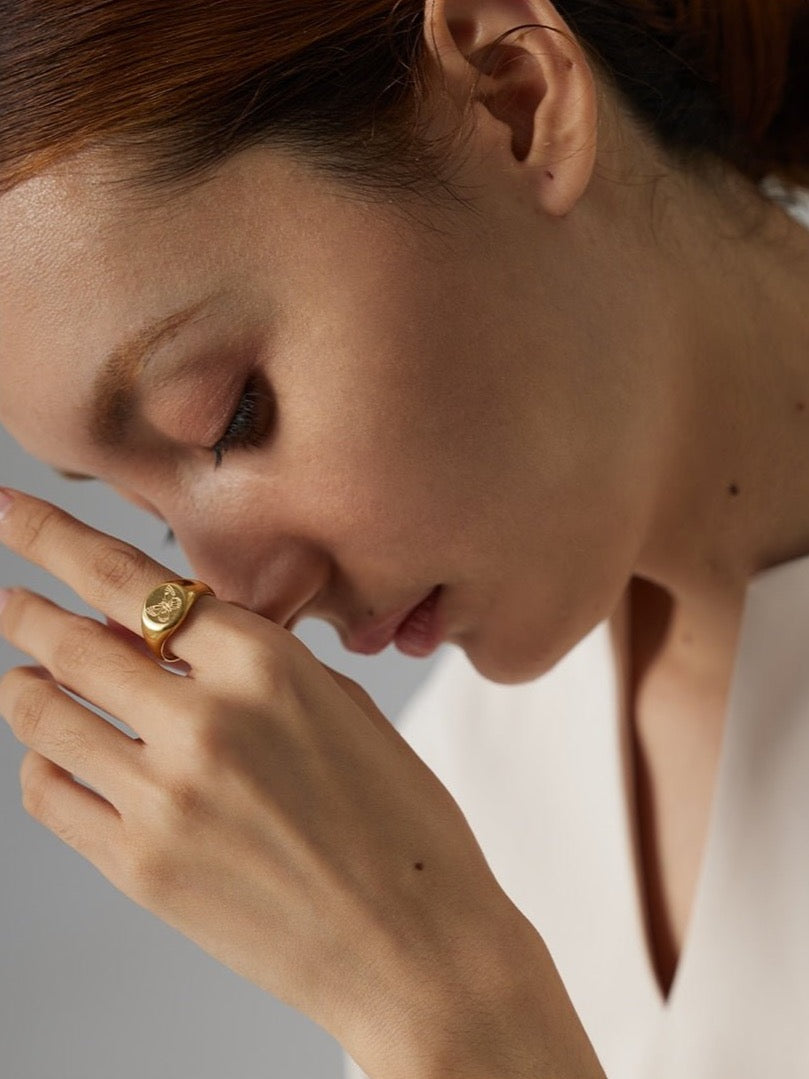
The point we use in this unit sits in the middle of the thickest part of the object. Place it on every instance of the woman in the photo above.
(484, 315)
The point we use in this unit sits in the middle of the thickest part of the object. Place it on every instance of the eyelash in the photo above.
(249, 425)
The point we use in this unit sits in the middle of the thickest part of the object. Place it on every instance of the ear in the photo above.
(533, 94)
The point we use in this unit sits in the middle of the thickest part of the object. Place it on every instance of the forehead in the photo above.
(81, 268)
(68, 232)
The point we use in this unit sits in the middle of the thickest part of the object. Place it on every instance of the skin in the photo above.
(599, 375)
(270, 812)
(553, 361)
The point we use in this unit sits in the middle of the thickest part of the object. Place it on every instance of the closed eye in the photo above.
(250, 423)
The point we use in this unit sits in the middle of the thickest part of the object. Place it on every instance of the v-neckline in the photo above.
(619, 629)
(745, 951)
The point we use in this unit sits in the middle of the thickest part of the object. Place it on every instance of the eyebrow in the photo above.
(112, 404)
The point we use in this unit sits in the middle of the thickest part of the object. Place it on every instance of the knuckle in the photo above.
(12, 683)
(32, 719)
(151, 873)
(35, 794)
(215, 747)
(122, 669)
(113, 566)
(78, 648)
(184, 801)
(37, 526)
(14, 611)
(19, 617)
(209, 743)
(237, 640)
(72, 746)
(192, 718)
(67, 832)
(179, 800)
(30, 711)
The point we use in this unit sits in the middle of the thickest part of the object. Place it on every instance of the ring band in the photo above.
(164, 611)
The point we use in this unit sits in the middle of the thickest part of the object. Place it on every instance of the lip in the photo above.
(372, 639)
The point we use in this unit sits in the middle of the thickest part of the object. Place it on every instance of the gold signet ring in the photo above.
(164, 611)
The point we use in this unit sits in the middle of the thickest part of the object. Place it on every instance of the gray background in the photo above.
(92, 985)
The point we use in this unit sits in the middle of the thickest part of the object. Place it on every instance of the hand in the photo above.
(267, 810)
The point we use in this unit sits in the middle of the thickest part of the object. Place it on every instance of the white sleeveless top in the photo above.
(543, 773)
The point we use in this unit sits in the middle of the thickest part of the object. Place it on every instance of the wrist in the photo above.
(519, 1023)
(492, 1006)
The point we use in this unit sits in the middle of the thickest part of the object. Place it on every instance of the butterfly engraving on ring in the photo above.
(168, 606)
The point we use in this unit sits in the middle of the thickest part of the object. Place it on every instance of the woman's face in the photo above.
(445, 401)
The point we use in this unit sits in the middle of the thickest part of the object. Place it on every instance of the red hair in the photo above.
(754, 56)
(182, 84)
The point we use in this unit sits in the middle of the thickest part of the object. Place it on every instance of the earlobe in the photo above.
(530, 85)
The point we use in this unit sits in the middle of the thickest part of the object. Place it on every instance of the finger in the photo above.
(47, 720)
(138, 643)
(88, 659)
(79, 817)
(110, 575)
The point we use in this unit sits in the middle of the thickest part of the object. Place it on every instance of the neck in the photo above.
(732, 496)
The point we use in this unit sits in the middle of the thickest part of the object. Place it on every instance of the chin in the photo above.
(510, 658)
(497, 661)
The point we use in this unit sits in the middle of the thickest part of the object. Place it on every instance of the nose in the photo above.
(275, 576)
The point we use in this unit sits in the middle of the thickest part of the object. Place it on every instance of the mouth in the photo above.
(416, 631)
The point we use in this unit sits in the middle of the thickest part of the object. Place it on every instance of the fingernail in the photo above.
(5, 503)
(4, 593)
